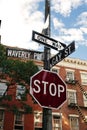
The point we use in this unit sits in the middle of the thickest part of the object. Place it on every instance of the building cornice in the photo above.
(74, 63)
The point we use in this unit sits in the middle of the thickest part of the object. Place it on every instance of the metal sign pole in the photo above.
(47, 113)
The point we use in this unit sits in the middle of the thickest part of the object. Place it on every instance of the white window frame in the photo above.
(57, 117)
(71, 96)
(71, 76)
(83, 78)
(74, 117)
(40, 67)
(19, 122)
(86, 119)
(85, 100)
(20, 89)
(38, 119)
(3, 88)
(1, 119)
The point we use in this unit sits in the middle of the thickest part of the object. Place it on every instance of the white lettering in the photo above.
(52, 89)
(38, 56)
(60, 90)
(19, 54)
(40, 38)
(36, 83)
(9, 52)
(67, 51)
(56, 59)
(45, 83)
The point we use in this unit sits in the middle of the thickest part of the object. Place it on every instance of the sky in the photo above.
(68, 23)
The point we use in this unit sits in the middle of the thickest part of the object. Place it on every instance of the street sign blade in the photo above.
(62, 54)
(45, 40)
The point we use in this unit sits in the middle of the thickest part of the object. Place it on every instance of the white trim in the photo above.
(71, 70)
(56, 114)
(73, 115)
(71, 90)
(83, 72)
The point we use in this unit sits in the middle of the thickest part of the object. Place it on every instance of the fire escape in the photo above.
(75, 105)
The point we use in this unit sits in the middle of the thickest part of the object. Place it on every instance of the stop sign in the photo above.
(48, 89)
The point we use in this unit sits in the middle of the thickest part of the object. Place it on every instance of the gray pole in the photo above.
(47, 113)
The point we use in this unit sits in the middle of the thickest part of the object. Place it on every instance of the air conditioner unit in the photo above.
(37, 120)
(67, 79)
(71, 103)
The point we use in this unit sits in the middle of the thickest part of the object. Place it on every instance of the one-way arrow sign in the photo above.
(50, 42)
(62, 54)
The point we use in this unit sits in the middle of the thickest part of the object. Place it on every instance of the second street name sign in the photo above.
(62, 54)
(24, 54)
(40, 38)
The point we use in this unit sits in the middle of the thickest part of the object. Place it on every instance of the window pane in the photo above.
(56, 123)
(3, 88)
(85, 100)
(84, 78)
(19, 121)
(1, 119)
(74, 123)
(20, 91)
(38, 119)
(72, 97)
(55, 70)
(70, 75)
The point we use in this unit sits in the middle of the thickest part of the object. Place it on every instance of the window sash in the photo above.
(38, 119)
(20, 90)
(55, 70)
(57, 123)
(1, 119)
(85, 100)
(84, 78)
(3, 88)
(72, 97)
(70, 75)
(19, 118)
(74, 123)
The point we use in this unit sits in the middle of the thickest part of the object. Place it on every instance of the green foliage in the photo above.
(16, 69)
(2, 54)
(19, 72)
(27, 108)
(6, 97)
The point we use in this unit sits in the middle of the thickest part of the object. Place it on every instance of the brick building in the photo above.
(71, 116)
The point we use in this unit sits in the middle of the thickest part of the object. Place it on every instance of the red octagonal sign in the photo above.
(48, 89)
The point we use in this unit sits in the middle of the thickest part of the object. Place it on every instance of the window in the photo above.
(71, 97)
(38, 119)
(86, 119)
(55, 70)
(19, 121)
(40, 67)
(57, 124)
(20, 91)
(84, 78)
(74, 123)
(69, 75)
(3, 88)
(1, 119)
(85, 100)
